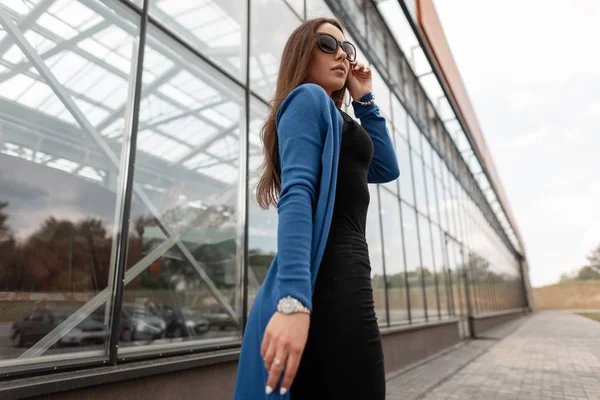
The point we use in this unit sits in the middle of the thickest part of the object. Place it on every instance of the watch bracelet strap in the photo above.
(303, 308)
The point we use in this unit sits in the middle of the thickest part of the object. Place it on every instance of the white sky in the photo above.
(532, 70)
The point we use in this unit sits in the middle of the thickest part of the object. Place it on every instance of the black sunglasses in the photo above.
(328, 44)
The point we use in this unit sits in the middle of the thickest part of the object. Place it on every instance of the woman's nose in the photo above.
(340, 53)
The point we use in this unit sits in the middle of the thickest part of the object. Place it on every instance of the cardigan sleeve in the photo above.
(384, 166)
(301, 130)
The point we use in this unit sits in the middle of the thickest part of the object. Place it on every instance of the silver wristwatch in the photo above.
(289, 305)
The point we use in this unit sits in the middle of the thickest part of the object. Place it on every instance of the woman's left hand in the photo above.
(359, 80)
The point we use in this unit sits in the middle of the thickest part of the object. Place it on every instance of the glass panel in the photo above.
(442, 204)
(413, 263)
(431, 195)
(394, 259)
(419, 181)
(262, 229)
(455, 210)
(376, 34)
(456, 277)
(382, 96)
(405, 179)
(428, 268)
(317, 9)
(373, 235)
(441, 273)
(400, 116)
(476, 278)
(450, 209)
(215, 28)
(272, 24)
(59, 177)
(297, 6)
(414, 136)
(183, 275)
(427, 150)
(355, 12)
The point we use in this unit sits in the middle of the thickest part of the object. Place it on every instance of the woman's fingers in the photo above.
(291, 368)
(361, 70)
(264, 346)
(276, 369)
(270, 355)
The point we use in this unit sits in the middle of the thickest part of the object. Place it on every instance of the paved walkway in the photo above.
(548, 355)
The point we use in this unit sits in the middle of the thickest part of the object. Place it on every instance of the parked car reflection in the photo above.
(39, 323)
(183, 322)
(220, 318)
(139, 323)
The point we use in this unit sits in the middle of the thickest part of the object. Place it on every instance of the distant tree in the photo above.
(594, 259)
(9, 253)
(4, 228)
(588, 273)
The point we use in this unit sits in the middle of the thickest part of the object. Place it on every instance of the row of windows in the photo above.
(66, 101)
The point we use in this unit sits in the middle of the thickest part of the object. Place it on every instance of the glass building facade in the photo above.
(129, 150)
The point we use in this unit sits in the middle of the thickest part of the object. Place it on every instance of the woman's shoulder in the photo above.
(316, 92)
(308, 98)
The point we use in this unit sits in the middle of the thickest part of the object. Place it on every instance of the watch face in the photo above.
(287, 307)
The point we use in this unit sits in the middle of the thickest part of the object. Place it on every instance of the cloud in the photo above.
(529, 139)
(534, 84)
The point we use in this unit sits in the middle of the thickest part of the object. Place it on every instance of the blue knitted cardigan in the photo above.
(309, 128)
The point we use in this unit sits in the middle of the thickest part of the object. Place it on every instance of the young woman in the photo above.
(313, 322)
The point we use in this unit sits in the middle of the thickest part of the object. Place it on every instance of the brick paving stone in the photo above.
(550, 355)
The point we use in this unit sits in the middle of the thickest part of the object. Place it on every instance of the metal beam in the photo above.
(25, 23)
(64, 45)
(36, 77)
(118, 112)
(206, 144)
(229, 87)
(99, 62)
(67, 143)
(183, 114)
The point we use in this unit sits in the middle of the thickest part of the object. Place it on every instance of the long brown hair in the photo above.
(292, 73)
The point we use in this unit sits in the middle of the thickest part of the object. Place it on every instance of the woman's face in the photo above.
(328, 70)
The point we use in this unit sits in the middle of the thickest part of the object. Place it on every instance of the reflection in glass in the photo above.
(262, 229)
(297, 6)
(215, 28)
(376, 33)
(429, 269)
(394, 259)
(383, 96)
(318, 8)
(413, 263)
(400, 122)
(182, 282)
(414, 136)
(59, 173)
(405, 179)
(441, 201)
(419, 182)
(373, 236)
(272, 23)
(431, 195)
(441, 274)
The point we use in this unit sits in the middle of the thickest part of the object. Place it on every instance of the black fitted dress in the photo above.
(343, 357)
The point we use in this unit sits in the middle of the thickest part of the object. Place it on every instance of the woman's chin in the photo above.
(338, 85)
